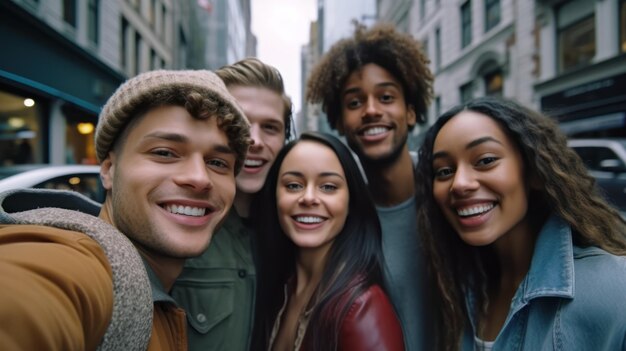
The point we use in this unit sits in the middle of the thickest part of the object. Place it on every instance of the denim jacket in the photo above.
(572, 298)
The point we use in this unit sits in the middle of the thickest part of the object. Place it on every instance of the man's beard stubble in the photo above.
(383, 161)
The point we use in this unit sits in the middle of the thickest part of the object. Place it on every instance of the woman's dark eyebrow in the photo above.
(482, 140)
(331, 174)
(439, 154)
(470, 145)
(292, 173)
(323, 174)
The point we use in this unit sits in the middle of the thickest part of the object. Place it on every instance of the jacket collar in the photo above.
(551, 272)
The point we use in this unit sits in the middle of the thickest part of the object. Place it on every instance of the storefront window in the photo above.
(20, 132)
(79, 136)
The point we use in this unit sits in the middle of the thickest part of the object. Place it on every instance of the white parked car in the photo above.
(84, 179)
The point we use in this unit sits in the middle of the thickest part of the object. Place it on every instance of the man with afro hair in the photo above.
(374, 87)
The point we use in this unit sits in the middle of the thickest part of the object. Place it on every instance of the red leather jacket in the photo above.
(370, 325)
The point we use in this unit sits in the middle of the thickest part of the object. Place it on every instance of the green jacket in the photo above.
(217, 290)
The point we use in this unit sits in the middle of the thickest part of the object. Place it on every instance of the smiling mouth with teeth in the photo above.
(475, 210)
(309, 219)
(186, 210)
(374, 131)
(253, 163)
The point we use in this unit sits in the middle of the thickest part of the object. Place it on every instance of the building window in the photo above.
(137, 53)
(182, 48)
(493, 83)
(467, 92)
(69, 12)
(622, 25)
(437, 48)
(154, 60)
(152, 13)
(492, 14)
(163, 21)
(577, 44)
(466, 23)
(93, 22)
(437, 106)
(124, 45)
(21, 128)
(576, 34)
(422, 9)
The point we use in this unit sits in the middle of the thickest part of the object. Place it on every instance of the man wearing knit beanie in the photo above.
(75, 277)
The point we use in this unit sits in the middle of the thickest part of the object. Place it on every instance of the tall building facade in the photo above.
(66, 58)
(223, 33)
(334, 22)
(310, 116)
(582, 73)
(475, 47)
(565, 57)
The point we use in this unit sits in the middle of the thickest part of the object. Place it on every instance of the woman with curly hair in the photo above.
(320, 281)
(524, 251)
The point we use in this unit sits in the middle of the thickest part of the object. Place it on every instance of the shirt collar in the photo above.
(158, 292)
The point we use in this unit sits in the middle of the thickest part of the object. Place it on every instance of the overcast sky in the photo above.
(282, 27)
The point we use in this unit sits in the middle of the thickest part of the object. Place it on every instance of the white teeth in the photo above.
(253, 163)
(375, 131)
(309, 219)
(186, 210)
(471, 211)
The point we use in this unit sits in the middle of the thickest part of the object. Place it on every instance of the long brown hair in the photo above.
(566, 190)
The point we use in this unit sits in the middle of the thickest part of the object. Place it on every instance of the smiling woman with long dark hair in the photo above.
(320, 279)
(524, 251)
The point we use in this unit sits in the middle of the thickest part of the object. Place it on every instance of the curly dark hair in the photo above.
(200, 107)
(566, 190)
(253, 72)
(396, 52)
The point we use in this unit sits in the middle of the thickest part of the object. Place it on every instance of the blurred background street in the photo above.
(61, 60)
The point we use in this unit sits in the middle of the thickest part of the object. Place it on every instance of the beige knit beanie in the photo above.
(122, 105)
